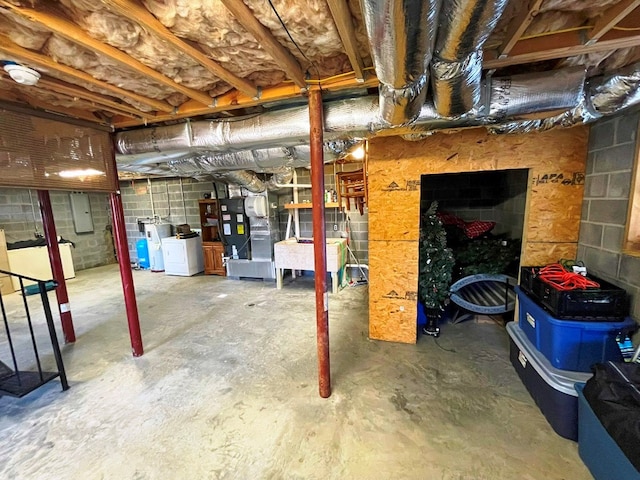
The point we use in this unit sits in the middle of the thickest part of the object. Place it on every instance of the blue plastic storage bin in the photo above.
(599, 452)
(142, 250)
(568, 344)
(552, 389)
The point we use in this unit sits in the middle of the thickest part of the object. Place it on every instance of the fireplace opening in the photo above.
(483, 217)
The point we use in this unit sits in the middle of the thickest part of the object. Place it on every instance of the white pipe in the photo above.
(153, 210)
(296, 214)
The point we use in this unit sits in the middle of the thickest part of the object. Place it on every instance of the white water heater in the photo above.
(155, 232)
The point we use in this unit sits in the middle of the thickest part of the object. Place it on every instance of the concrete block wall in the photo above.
(20, 218)
(610, 162)
(173, 200)
(337, 223)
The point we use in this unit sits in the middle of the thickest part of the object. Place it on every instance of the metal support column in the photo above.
(56, 266)
(319, 241)
(122, 249)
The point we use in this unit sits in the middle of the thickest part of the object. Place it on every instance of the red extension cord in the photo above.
(556, 275)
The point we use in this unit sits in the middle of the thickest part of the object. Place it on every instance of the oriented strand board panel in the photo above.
(535, 254)
(393, 289)
(556, 162)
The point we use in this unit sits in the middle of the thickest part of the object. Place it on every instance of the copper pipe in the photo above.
(124, 261)
(319, 241)
(56, 266)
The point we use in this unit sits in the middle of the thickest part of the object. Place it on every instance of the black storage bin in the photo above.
(608, 303)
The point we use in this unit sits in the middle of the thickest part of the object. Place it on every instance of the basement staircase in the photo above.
(15, 382)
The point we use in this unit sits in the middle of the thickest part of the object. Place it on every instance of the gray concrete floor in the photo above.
(227, 389)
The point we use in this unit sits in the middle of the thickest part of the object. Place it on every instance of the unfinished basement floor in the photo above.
(227, 389)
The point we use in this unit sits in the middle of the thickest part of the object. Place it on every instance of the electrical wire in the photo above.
(291, 38)
(556, 275)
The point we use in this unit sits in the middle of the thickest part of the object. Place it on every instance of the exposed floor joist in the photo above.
(73, 33)
(142, 16)
(342, 18)
(268, 41)
(611, 18)
(23, 55)
(560, 45)
(519, 26)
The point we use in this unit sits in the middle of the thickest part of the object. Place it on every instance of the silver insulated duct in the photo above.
(456, 70)
(198, 148)
(401, 35)
(603, 95)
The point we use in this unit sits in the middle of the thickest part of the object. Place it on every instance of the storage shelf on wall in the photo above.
(310, 205)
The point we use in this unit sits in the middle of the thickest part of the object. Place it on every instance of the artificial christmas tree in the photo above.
(435, 266)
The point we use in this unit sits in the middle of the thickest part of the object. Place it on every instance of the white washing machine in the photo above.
(155, 232)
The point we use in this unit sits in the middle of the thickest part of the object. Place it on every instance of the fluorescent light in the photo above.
(358, 153)
(87, 172)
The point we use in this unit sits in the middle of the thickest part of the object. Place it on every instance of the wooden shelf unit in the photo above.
(212, 247)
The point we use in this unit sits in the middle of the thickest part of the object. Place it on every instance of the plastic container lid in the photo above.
(561, 380)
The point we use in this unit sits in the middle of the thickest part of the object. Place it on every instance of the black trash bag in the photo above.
(614, 395)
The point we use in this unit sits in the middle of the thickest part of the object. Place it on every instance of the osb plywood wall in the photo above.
(556, 163)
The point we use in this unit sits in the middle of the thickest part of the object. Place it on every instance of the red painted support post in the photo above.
(122, 249)
(56, 265)
(319, 240)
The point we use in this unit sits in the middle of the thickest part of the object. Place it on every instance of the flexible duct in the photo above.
(604, 95)
(401, 35)
(345, 121)
(242, 178)
(463, 28)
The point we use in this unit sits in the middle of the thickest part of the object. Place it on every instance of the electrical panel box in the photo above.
(81, 212)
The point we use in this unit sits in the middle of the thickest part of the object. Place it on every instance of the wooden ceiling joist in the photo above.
(611, 18)
(342, 18)
(36, 60)
(268, 42)
(519, 25)
(143, 17)
(23, 99)
(74, 33)
(99, 101)
(560, 45)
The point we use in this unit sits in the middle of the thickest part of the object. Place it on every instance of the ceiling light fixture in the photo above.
(21, 74)
(87, 172)
(358, 153)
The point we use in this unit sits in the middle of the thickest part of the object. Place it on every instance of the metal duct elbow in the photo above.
(456, 85)
(611, 93)
(243, 178)
(281, 176)
(401, 35)
(463, 28)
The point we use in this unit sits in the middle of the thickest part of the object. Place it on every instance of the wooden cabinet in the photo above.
(213, 253)
(209, 220)
(212, 248)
